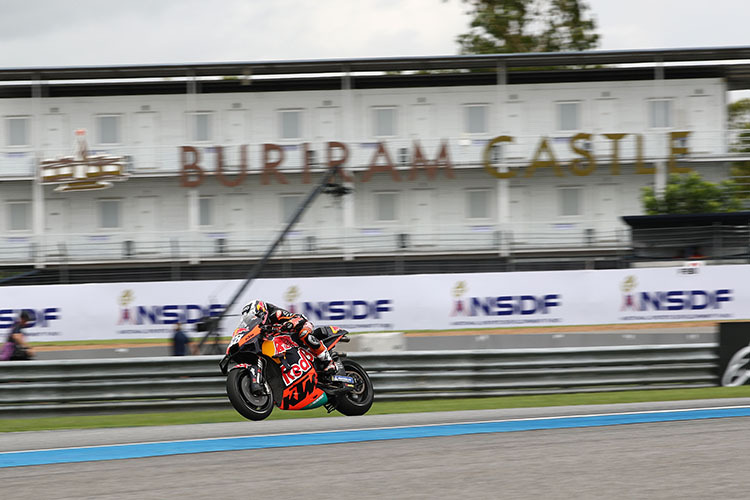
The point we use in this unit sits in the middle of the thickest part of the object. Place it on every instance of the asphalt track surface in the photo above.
(674, 459)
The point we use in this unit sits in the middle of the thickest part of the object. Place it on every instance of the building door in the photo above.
(606, 119)
(145, 155)
(146, 220)
(698, 106)
(421, 122)
(236, 221)
(55, 221)
(56, 226)
(513, 127)
(55, 140)
(421, 220)
(520, 214)
(327, 128)
(328, 214)
(606, 212)
(235, 133)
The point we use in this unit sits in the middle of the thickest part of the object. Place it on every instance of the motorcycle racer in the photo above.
(296, 324)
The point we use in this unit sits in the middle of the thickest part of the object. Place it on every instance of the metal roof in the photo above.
(419, 63)
(686, 220)
(368, 81)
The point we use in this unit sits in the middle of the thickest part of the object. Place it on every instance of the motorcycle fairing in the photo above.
(242, 335)
(299, 381)
(278, 346)
(303, 393)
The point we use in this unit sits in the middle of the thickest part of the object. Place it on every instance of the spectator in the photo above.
(16, 348)
(181, 343)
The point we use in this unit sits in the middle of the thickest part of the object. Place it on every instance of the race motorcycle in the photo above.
(266, 367)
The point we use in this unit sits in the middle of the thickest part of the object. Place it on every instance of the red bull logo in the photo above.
(298, 369)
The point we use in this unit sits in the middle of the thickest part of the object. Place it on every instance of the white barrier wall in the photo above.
(387, 303)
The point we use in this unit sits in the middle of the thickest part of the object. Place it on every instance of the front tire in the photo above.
(358, 401)
(247, 405)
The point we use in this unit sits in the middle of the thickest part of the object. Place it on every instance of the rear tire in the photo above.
(247, 405)
(359, 401)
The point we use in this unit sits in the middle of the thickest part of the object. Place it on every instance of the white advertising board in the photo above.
(388, 303)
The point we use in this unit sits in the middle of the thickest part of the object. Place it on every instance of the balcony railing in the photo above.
(306, 243)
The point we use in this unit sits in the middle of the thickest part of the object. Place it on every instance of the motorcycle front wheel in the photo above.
(247, 405)
(358, 401)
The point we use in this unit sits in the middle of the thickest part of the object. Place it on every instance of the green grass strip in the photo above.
(204, 417)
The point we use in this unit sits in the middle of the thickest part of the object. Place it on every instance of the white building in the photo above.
(568, 150)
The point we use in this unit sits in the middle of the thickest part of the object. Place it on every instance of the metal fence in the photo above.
(42, 388)
(313, 243)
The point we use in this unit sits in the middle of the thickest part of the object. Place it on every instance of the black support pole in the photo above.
(255, 271)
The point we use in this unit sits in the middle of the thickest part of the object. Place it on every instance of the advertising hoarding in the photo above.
(391, 303)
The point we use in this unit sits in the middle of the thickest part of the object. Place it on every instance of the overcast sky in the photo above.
(106, 32)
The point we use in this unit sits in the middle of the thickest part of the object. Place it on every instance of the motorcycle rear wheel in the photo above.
(359, 401)
(247, 405)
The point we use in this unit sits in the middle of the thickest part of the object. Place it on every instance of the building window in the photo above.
(206, 211)
(19, 215)
(386, 207)
(568, 116)
(109, 128)
(478, 204)
(384, 122)
(109, 214)
(291, 124)
(289, 205)
(475, 119)
(201, 128)
(660, 113)
(570, 201)
(18, 130)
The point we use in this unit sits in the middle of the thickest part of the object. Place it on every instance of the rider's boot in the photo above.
(321, 353)
(325, 359)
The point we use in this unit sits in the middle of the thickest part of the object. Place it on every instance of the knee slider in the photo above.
(313, 342)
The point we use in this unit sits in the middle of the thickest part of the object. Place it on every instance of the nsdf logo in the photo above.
(506, 305)
(168, 314)
(337, 310)
(676, 300)
(38, 317)
(671, 300)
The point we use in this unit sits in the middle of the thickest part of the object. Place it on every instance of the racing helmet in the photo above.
(254, 309)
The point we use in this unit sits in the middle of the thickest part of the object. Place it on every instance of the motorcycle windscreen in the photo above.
(300, 383)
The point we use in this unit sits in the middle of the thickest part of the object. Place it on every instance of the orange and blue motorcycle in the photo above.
(265, 368)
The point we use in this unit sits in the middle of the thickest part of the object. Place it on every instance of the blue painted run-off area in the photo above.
(140, 450)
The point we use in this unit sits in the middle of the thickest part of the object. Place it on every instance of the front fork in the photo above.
(257, 380)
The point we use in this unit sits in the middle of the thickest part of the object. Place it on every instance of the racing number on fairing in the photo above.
(238, 333)
(243, 335)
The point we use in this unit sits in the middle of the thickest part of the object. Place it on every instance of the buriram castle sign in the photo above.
(85, 172)
(193, 172)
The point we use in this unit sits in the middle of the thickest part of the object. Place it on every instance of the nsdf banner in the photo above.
(357, 303)
(706, 293)
(150, 310)
(388, 303)
(500, 300)
(106, 311)
(46, 309)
